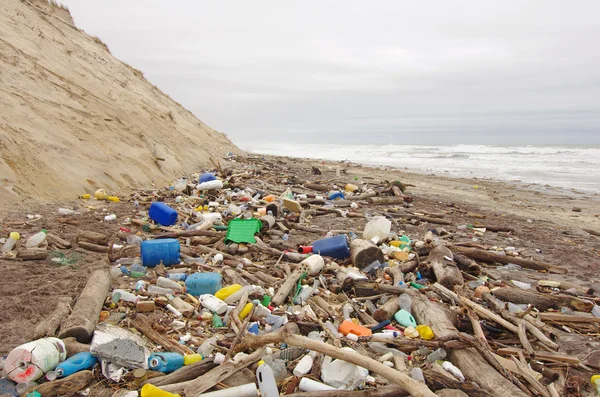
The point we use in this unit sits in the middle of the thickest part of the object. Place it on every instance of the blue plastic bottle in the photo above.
(162, 214)
(203, 283)
(177, 276)
(165, 362)
(335, 247)
(76, 363)
(165, 250)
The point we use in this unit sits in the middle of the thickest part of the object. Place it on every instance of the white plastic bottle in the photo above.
(210, 185)
(405, 302)
(126, 296)
(168, 283)
(156, 290)
(36, 239)
(304, 365)
(10, 242)
(213, 303)
(266, 380)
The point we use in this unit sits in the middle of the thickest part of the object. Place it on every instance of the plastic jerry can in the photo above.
(266, 380)
(76, 363)
(32, 360)
(348, 327)
(203, 283)
(149, 390)
(165, 362)
(162, 214)
(405, 319)
(335, 247)
(213, 304)
(155, 251)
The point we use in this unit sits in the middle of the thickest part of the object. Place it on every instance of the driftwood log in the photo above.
(542, 302)
(32, 254)
(142, 324)
(472, 365)
(74, 347)
(66, 386)
(82, 321)
(490, 257)
(363, 253)
(386, 200)
(93, 247)
(387, 310)
(92, 237)
(184, 374)
(50, 324)
(286, 288)
(446, 272)
(386, 391)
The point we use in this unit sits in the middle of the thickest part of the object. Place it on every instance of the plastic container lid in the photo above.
(242, 230)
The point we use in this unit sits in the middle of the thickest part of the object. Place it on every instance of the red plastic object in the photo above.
(348, 327)
(305, 249)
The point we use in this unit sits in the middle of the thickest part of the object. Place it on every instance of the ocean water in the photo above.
(559, 166)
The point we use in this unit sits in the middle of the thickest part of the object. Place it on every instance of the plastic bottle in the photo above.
(75, 363)
(208, 346)
(22, 387)
(405, 302)
(521, 285)
(246, 310)
(125, 296)
(225, 292)
(313, 264)
(210, 185)
(165, 250)
(10, 242)
(190, 359)
(438, 354)
(134, 239)
(168, 283)
(32, 360)
(417, 374)
(165, 362)
(266, 380)
(595, 380)
(309, 385)
(250, 289)
(304, 365)
(203, 283)
(156, 290)
(66, 211)
(247, 390)
(36, 239)
(305, 292)
(177, 276)
(596, 311)
(149, 390)
(379, 227)
(213, 303)
(448, 366)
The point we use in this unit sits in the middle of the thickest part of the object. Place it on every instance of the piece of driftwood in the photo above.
(438, 379)
(385, 391)
(323, 304)
(32, 254)
(82, 321)
(490, 257)
(232, 277)
(64, 387)
(74, 347)
(92, 237)
(93, 247)
(370, 288)
(392, 200)
(185, 373)
(396, 273)
(56, 241)
(286, 288)
(142, 324)
(473, 366)
(261, 247)
(359, 197)
(387, 310)
(466, 264)
(568, 318)
(190, 233)
(284, 335)
(540, 356)
(542, 302)
(50, 324)
(446, 272)
(363, 253)
(317, 187)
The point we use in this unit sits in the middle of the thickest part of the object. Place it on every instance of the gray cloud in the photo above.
(419, 72)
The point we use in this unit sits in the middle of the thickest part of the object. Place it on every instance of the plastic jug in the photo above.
(32, 360)
(165, 362)
(212, 303)
(335, 247)
(379, 227)
(149, 390)
(203, 283)
(227, 291)
(348, 327)
(162, 214)
(266, 380)
(36, 239)
(76, 363)
(155, 251)
(405, 319)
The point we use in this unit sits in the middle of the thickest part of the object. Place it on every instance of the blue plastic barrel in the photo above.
(165, 362)
(162, 214)
(203, 283)
(206, 177)
(165, 250)
(76, 363)
(335, 247)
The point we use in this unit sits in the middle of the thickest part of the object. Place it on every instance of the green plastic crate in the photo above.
(242, 230)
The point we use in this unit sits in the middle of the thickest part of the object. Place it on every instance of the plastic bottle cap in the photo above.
(15, 236)
(261, 362)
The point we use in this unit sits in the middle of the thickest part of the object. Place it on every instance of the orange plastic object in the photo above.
(348, 327)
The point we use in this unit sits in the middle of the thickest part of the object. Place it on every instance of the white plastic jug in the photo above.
(341, 374)
(32, 360)
(213, 303)
(379, 227)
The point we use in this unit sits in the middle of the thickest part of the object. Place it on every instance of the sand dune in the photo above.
(73, 117)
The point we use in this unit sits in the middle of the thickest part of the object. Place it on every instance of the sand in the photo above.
(75, 118)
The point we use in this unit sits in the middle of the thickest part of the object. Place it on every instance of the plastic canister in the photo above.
(213, 304)
(379, 227)
(203, 283)
(350, 187)
(75, 363)
(165, 362)
(405, 319)
(335, 247)
(32, 360)
(155, 251)
(206, 177)
(162, 214)
(313, 264)
(348, 327)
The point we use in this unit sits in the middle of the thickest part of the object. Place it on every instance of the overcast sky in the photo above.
(355, 71)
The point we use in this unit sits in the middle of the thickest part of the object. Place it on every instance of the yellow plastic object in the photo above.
(114, 199)
(246, 310)
(261, 362)
(86, 196)
(100, 194)
(596, 383)
(15, 235)
(192, 358)
(149, 390)
(226, 291)
(351, 187)
(425, 332)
